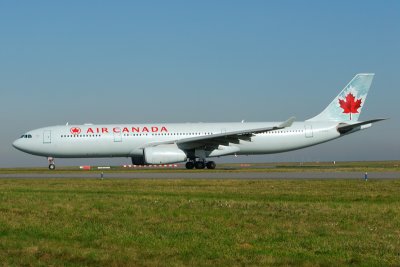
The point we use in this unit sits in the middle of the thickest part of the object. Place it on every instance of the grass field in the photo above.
(362, 166)
(76, 222)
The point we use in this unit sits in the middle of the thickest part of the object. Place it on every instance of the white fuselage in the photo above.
(127, 140)
(195, 142)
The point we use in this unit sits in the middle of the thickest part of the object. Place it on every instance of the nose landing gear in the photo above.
(52, 166)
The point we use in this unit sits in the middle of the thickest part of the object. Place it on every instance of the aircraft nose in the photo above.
(17, 144)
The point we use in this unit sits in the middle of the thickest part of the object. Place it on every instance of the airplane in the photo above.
(194, 143)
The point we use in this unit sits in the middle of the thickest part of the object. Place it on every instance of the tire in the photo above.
(189, 165)
(211, 165)
(199, 165)
(52, 167)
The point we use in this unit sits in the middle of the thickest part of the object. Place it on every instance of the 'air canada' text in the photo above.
(145, 129)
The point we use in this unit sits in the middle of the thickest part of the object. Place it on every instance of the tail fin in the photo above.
(348, 104)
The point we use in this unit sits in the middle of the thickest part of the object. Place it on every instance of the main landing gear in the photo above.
(200, 164)
(52, 166)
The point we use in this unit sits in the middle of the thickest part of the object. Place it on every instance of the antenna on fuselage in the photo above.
(67, 124)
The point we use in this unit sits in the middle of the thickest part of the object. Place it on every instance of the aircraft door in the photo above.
(46, 137)
(309, 131)
(117, 135)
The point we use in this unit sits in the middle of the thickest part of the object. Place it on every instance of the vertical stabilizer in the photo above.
(348, 104)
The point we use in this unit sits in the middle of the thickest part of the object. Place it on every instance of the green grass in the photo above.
(76, 222)
(361, 166)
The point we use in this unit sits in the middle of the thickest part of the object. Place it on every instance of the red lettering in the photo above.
(146, 129)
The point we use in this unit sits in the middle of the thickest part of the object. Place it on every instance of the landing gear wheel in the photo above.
(199, 165)
(189, 165)
(211, 165)
(52, 166)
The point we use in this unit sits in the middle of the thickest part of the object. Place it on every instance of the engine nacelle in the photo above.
(164, 154)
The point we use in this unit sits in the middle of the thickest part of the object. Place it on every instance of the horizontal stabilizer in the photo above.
(345, 128)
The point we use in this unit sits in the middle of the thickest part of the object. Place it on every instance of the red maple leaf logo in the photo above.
(75, 130)
(350, 104)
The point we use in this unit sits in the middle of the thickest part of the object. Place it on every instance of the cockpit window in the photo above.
(29, 136)
(26, 136)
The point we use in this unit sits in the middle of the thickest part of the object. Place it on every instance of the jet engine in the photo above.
(164, 154)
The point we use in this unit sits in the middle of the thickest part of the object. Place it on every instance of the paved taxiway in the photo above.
(211, 175)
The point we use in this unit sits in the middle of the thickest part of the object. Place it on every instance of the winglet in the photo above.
(287, 123)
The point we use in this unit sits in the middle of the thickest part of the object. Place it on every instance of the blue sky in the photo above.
(181, 61)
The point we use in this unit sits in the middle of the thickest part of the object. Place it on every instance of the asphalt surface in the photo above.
(209, 175)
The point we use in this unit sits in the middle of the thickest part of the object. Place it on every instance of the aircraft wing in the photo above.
(214, 140)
